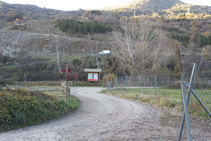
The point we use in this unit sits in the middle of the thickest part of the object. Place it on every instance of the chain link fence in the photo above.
(197, 124)
(154, 81)
(193, 120)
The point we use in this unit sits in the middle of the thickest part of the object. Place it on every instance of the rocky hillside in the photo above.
(16, 43)
(147, 7)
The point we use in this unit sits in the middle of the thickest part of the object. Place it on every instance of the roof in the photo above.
(92, 70)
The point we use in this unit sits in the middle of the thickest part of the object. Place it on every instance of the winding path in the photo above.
(100, 117)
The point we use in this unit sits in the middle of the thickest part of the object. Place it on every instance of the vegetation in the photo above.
(173, 9)
(20, 108)
(182, 38)
(199, 40)
(73, 26)
(170, 98)
(109, 77)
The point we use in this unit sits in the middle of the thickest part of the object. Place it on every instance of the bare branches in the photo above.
(139, 45)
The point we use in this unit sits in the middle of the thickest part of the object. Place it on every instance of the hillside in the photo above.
(147, 7)
(27, 31)
(11, 12)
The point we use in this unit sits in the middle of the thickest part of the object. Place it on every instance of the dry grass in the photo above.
(167, 98)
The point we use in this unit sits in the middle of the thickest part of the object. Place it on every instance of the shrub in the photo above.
(110, 77)
(209, 26)
(19, 108)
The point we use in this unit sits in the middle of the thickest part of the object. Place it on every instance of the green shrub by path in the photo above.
(20, 108)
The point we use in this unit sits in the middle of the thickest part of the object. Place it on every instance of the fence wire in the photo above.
(199, 119)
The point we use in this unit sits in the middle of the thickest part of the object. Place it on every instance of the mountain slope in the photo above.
(161, 7)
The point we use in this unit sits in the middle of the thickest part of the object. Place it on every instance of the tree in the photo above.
(178, 61)
(139, 46)
(116, 15)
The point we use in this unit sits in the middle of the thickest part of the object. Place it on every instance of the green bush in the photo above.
(110, 77)
(9, 81)
(19, 108)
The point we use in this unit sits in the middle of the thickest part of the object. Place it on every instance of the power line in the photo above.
(53, 54)
(78, 54)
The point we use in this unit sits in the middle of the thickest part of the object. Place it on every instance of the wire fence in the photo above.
(154, 81)
(193, 121)
(198, 100)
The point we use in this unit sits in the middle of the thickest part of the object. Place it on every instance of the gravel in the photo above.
(100, 117)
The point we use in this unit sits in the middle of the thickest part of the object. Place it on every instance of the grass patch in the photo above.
(20, 108)
(166, 97)
(169, 98)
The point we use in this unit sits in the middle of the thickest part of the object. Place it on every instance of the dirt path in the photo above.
(100, 117)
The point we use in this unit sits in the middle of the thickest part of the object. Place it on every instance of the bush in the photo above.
(110, 77)
(19, 108)
(9, 81)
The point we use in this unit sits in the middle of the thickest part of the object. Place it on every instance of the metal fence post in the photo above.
(126, 83)
(99, 80)
(155, 85)
(168, 80)
(69, 94)
(116, 82)
(185, 103)
(195, 95)
(139, 85)
(110, 84)
(67, 83)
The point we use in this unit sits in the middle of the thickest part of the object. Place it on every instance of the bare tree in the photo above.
(140, 45)
(59, 43)
(93, 46)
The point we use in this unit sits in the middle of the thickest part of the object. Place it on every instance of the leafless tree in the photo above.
(140, 45)
(93, 47)
(58, 43)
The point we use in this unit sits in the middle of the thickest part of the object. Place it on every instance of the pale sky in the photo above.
(87, 4)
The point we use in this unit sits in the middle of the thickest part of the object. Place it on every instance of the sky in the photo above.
(87, 4)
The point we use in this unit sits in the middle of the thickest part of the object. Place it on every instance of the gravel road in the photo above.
(100, 117)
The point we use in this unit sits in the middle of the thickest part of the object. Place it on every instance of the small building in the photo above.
(93, 74)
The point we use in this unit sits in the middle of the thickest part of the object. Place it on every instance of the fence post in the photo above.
(99, 80)
(139, 85)
(7, 86)
(69, 93)
(126, 83)
(67, 84)
(186, 102)
(116, 82)
(168, 80)
(155, 85)
(108, 84)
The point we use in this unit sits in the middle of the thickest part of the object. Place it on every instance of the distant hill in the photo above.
(31, 11)
(147, 7)
(11, 12)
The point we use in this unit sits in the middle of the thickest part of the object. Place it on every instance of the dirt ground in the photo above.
(100, 118)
